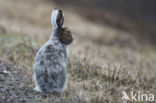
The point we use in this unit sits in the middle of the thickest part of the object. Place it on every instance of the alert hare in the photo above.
(50, 62)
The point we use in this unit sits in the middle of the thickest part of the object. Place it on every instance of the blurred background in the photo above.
(138, 16)
(117, 32)
(99, 26)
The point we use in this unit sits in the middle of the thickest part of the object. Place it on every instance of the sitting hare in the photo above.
(50, 62)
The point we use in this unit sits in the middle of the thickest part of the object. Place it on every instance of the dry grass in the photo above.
(86, 83)
(105, 62)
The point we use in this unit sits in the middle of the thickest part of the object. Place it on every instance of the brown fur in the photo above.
(65, 35)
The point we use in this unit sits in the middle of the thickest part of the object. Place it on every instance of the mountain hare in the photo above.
(50, 62)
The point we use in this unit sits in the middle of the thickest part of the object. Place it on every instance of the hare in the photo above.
(50, 62)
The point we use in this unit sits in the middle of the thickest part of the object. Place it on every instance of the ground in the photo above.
(103, 61)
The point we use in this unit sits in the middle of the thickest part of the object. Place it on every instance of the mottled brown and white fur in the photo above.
(51, 60)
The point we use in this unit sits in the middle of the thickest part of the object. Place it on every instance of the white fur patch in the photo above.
(37, 86)
(53, 18)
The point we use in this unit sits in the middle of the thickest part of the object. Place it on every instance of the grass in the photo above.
(103, 60)
(87, 83)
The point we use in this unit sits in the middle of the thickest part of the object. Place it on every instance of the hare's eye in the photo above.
(68, 31)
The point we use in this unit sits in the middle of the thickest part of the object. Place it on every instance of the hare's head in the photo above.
(65, 36)
(57, 18)
(63, 33)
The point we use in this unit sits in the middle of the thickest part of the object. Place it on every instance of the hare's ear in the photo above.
(57, 18)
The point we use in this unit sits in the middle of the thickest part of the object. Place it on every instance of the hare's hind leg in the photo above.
(61, 82)
(37, 88)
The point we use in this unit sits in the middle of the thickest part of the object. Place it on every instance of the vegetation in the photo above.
(103, 60)
(86, 83)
